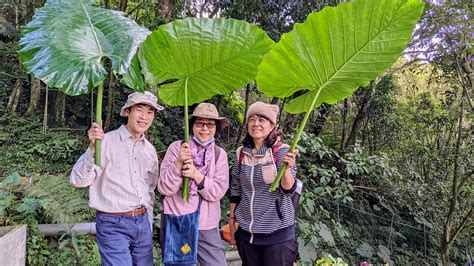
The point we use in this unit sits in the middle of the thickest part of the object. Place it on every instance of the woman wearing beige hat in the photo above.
(206, 165)
(266, 220)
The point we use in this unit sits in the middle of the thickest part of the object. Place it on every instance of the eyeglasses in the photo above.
(210, 125)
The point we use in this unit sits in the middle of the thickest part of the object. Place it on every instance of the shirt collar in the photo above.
(124, 134)
(260, 152)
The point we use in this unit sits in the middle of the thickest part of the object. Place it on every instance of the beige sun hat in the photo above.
(209, 110)
(147, 98)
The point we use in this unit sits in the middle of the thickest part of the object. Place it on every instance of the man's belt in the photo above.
(135, 212)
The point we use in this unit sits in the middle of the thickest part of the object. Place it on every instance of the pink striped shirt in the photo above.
(127, 178)
(216, 183)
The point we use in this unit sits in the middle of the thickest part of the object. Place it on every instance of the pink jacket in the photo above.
(216, 183)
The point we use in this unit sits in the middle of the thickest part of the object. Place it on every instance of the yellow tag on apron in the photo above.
(185, 249)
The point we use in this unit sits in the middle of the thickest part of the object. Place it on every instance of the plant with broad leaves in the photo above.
(65, 43)
(334, 52)
(194, 59)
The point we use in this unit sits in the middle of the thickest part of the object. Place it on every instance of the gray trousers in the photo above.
(210, 248)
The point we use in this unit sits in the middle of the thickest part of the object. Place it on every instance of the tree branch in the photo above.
(419, 51)
(464, 178)
(215, 10)
(360, 188)
(140, 4)
(467, 68)
(460, 227)
(407, 64)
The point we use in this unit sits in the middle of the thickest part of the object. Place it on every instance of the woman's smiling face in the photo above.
(259, 127)
(204, 129)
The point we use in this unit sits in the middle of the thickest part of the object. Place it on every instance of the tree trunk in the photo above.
(17, 15)
(320, 121)
(274, 100)
(351, 139)
(241, 129)
(30, 10)
(281, 111)
(165, 9)
(217, 7)
(34, 96)
(16, 92)
(59, 108)
(45, 113)
(445, 257)
(123, 5)
(15, 96)
(447, 237)
(344, 116)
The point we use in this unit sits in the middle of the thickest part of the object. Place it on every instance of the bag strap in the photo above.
(217, 153)
(275, 149)
(240, 154)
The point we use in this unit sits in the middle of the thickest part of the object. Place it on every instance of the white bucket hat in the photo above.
(147, 98)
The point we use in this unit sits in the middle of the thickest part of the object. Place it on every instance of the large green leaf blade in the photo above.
(216, 55)
(133, 77)
(337, 50)
(66, 40)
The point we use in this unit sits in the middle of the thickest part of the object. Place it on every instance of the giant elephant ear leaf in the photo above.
(66, 40)
(195, 59)
(133, 78)
(216, 56)
(335, 51)
(64, 43)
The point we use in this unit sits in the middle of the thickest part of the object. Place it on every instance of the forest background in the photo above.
(388, 172)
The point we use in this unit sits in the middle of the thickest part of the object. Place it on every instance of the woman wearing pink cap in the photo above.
(266, 220)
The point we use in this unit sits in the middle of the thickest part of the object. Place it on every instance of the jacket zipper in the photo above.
(251, 204)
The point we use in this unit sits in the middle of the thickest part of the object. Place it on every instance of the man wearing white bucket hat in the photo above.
(122, 189)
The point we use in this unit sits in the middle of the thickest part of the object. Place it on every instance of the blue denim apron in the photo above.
(181, 238)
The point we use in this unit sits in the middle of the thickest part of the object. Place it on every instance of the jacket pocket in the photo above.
(269, 173)
(278, 210)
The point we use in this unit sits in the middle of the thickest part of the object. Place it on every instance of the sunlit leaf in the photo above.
(66, 41)
(216, 55)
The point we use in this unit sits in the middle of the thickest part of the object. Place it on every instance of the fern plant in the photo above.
(61, 202)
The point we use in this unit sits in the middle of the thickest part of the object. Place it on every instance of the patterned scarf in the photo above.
(202, 158)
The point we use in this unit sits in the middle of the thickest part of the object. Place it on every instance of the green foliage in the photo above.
(14, 207)
(333, 63)
(65, 49)
(27, 150)
(334, 219)
(38, 247)
(211, 56)
(409, 133)
(75, 249)
(50, 199)
(195, 59)
(9, 70)
(330, 260)
(13, 179)
(337, 50)
(62, 202)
